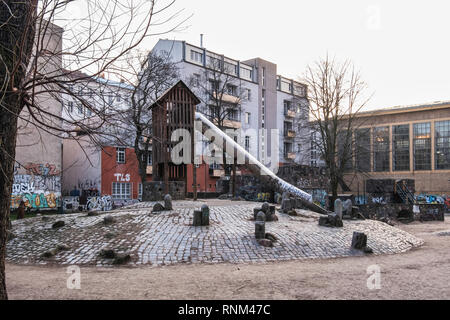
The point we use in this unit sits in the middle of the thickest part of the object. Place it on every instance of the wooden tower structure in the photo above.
(175, 109)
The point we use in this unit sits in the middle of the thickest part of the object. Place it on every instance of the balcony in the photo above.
(290, 156)
(228, 98)
(289, 113)
(232, 124)
(217, 173)
(289, 133)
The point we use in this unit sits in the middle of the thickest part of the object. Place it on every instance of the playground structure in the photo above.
(176, 109)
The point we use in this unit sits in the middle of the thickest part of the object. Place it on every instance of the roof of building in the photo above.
(164, 95)
(408, 108)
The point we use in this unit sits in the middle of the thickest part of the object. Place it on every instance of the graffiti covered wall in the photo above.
(39, 187)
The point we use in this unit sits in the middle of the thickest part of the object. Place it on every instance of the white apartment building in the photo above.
(101, 96)
(267, 100)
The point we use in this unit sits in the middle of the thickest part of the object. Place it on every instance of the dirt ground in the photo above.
(422, 273)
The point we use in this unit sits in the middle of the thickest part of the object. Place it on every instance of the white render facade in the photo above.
(104, 96)
(266, 96)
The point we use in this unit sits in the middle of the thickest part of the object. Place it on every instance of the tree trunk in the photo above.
(8, 133)
(17, 33)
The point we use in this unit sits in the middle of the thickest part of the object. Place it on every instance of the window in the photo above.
(247, 143)
(362, 150)
(232, 90)
(422, 146)
(120, 155)
(345, 149)
(150, 159)
(287, 149)
(400, 148)
(247, 74)
(287, 107)
(110, 99)
(299, 148)
(214, 85)
(442, 129)
(287, 128)
(80, 108)
(88, 112)
(121, 191)
(196, 80)
(249, 94)
(118, 98)
(70, 106)
(196, 56)
(263, 101)
(247, 118)
(381, 157)
(230, 68)
(263, 76)
(140, 191)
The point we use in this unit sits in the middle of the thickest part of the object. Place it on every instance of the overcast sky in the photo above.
(401, 47)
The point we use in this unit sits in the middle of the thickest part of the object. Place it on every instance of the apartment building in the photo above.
(266, 100)
(94, 96)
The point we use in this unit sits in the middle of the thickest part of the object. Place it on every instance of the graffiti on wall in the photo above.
(41, 169)
(40, 188)
(104, 203)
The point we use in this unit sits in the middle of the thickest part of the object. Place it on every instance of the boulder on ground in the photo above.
(205, 215)
(122, 259)
(359, 241)
(271, 237)
(197, 221)
(107, 254)
(265, 243)
(158, 207)
(168, 202)
(109, 220)
(50, 254)
(63, 247)
(110, 235)
(331, 221)
(58, 224)
(293, 213)
(92, 214)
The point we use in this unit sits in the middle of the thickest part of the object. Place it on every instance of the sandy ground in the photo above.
(422, 273)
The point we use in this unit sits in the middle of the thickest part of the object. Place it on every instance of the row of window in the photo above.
(217, 63)
(401, 147)
(123, 190)
(121, 156)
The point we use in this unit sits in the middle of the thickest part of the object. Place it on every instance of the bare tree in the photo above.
(337, 94)
(222, 95)
(34, 69)
(155, 73)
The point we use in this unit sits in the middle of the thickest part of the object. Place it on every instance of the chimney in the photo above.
(201, 40)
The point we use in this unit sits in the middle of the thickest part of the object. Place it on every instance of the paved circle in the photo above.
(168, 237)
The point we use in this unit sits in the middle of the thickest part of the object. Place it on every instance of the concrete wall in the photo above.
(82, 166)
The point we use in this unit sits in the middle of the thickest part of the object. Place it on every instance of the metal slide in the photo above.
(258, 168)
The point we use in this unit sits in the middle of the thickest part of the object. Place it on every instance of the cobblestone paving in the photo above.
(168, 237)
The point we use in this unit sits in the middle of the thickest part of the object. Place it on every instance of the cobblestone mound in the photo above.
(170, 238)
